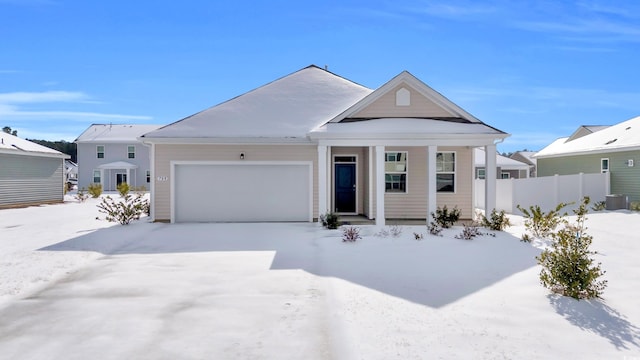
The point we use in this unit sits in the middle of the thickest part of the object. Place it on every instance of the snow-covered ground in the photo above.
(76, 287)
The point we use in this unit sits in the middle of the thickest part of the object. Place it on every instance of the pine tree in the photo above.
(567, 267)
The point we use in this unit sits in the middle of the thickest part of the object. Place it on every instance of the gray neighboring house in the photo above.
(109, 154)
(30, 174)
(527, 158)
(614, 149)
(506, 168)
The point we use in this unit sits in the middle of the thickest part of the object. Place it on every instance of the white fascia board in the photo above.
(587, 152)
(412, 140)
(34, 153)
(229, 141)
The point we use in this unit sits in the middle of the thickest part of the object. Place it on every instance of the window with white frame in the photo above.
(131, 152)
(480, 174)
(604, 165)
(96, 177)
(395, 171)
(505, 175)
(446, 171)
(100, 151)
(148, 176)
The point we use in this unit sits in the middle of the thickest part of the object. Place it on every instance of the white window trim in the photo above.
(454, 172)
(405, 172)
(502, 174)
(93, 176)
(602, 170)
(129, 152)
(104, 151)
(484, 175)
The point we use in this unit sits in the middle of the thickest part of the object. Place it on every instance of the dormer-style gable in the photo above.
(405, 96)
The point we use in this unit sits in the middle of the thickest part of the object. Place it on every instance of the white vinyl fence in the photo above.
(546, 192)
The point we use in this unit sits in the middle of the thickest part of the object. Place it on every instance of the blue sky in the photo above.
(535, 69)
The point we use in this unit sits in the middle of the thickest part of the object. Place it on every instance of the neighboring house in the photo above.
(71, 172)
(110, 154)
(528, 158)
(313, 142)
(506, 168)
(30, 174)
(614, 149)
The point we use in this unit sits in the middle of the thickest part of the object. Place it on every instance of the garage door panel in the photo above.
(219, 193)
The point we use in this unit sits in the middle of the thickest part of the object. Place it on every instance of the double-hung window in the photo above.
(131, 152)
(480, 174)
(100, 151)
(604, 165)
(96, 177)
(395, 171)
(446, 171)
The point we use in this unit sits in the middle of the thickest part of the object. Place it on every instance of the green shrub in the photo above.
(542, 224)
(329, 220)
(129, 208)
(567, 268)
(599, 206)
(498, 220)
(95, 190)
(446, 218)
(634, 206)
(123, 188)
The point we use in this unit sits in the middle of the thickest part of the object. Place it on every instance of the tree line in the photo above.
(64, 147)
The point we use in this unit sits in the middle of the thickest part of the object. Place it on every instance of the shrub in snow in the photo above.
(634, 206)
(599, 206)
(129, 208)
(567, 268)
(329, 220)
(469, 232)
(526, 238)
(81, 196)
(350, 234)
(498, 221)
(446, 218)
(542, 224)
(123, 188)
(418, 236)
(95, 190)
(434, 227)
(395, 230)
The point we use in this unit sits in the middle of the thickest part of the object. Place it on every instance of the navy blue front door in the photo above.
(345, 188)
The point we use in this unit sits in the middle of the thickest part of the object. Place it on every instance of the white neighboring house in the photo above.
(30, 174)
(109, 154)
(70, 172)
(506, 168)
(528, 158)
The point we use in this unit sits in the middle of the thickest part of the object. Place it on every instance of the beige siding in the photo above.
(413, 203)
(164, 154)
(385, 106)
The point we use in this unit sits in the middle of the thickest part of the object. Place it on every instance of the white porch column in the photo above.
(371, 177)
(322, 181)
(128, 176)
(490, 179)
(380, 184)
(431, 181)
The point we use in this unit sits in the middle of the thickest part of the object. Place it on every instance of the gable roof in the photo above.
(11, 144)
(585, 130)
(525, 157)
(501, 161)
(624, 136)
(107, 133)
(411, 81)
(286, 108)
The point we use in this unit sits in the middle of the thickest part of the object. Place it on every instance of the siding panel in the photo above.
(30, 180)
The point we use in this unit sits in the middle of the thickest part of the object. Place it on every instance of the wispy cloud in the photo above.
(457, 11)
(42, 97)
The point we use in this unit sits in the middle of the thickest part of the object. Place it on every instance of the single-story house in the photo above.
(30, 174)
(313, 142)
(614, 149)
(527, 158)
(110, 154)
(507, 168)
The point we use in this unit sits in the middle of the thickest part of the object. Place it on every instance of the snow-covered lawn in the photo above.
(74, 287)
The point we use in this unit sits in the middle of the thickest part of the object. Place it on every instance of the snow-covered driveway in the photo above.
(73, 287)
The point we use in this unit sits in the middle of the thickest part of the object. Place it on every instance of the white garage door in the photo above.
(247, 192)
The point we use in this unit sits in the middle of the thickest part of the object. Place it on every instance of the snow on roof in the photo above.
(114, 132)
(396, 125)
(620, 137)
(501, 161)
(13, 144)
(285, 108)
